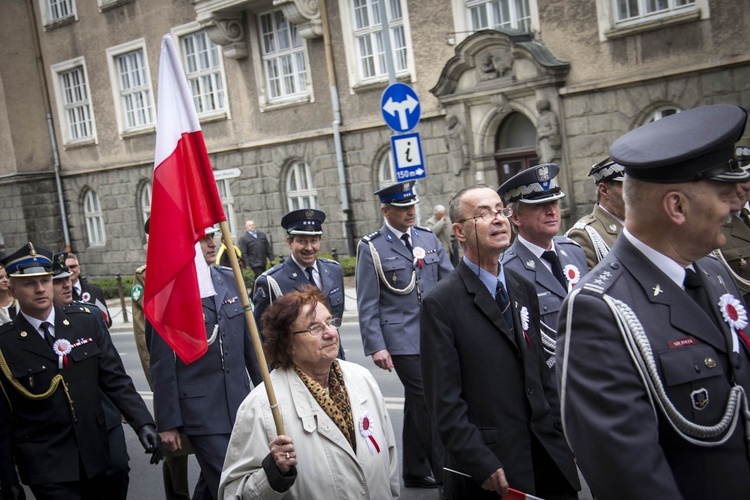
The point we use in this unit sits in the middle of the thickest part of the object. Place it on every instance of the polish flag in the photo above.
(184, 202)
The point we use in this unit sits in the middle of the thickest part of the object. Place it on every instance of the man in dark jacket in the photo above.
(256, 249)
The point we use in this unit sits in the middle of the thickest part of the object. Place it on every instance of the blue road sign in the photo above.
(407, 156)
(400, 107)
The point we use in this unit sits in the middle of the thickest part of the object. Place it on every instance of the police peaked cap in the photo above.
(60, 269)
(607, 170)
(534, 185)
(399, 195)
(304, 221)
(29, 260)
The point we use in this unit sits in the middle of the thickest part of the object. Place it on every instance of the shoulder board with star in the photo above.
(598, 282)
(563, 240)
(371, 236)
(423, 228)
(274, 269)
(583, 222)
(79, 308)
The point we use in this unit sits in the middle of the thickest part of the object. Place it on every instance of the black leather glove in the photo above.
(12, 492)
(150, 440)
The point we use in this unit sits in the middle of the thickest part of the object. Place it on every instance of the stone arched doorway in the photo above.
(515, 146)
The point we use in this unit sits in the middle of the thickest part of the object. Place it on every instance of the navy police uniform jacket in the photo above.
(625, 447)
(389, 320)
(290, 277)
(202, 398)
(550, 292)
(48, 442)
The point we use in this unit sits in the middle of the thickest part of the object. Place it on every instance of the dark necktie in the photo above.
(745, 216)
(503, 300)
(309, 271)
(551, 257)
(405, 237)
(47, 335)
(76, 294)
(694, 288)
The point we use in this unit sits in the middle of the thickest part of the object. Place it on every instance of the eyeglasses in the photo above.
(490, 215)
(74, 266)
(318, 329)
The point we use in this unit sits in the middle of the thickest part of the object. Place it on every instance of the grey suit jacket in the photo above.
(203, 397)
(625, 449)
(388, 320)
(550, 292)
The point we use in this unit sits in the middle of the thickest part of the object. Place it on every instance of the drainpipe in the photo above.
(348, 222)
(50, 124)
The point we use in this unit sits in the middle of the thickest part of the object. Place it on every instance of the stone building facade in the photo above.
(501, 84)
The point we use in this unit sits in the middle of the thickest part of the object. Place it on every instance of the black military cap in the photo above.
(304, 221)
(29, 260)
(399, 195)
(697, 144)
(60, 269)
(607, 170)
(537, 184)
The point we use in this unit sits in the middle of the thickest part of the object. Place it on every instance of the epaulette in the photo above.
(274, 269)
(370, 236)
(141, 269)
(583, 222)
(7, 327)
(423, 228)
(605, 276)
(329, 261)
(564, 240)
(79, 308)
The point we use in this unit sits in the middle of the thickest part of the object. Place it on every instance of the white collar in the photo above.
(672, 269)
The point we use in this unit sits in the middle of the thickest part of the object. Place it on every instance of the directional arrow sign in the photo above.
(400, 107)
(407, 156)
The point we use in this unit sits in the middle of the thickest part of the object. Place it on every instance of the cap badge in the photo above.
(32, 250)
(543, 173)
(309, 214)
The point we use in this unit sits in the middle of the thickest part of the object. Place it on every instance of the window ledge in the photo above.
(653, 24)
(111, 4)
(286, 103)
(215, 116)
(137, 132)
(59, 23)
(380, 84)
(81, 143)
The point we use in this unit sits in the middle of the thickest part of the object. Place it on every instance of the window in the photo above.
(386, 170)
(284, 56)
(629, 10)
(134, 103)
(59, 9)
(74, 102)
(661, 113)
(300, 187)
(494, 14)
(57, 12)
(227, 201)
(203, 67)
(92, 214)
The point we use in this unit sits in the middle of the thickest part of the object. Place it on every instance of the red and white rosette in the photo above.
(525, 324)
(572, 274)
(419, 254)
(735, 315)
(62, 348)
(365, 430)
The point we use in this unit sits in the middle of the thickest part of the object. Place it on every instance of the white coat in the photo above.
(327, 466)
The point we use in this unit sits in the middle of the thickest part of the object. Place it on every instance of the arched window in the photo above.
(386, 170)
(662, 112)
(300, 187)
(92, 214)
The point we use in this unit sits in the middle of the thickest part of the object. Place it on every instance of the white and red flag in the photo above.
(184, 202)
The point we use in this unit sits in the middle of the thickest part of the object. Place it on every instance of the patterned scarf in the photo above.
(334, 401)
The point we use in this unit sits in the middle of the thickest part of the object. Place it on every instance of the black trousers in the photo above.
(422, 450)
(83, 489)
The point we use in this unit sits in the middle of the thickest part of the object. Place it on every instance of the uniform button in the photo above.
(530, 391)
(697, 368)
(614, 265)
(531, 424)
(544, 308)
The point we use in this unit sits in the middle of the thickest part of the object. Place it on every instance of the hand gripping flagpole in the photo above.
(227, 238)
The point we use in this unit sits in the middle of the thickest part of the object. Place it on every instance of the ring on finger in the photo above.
(287, 455)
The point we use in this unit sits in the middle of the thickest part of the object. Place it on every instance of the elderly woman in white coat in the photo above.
(340, 441)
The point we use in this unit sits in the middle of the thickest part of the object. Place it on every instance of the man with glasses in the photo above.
(554, 264)
(487, 386)
(303, 267)
(201, 399)
(397, 266)
(85, 291)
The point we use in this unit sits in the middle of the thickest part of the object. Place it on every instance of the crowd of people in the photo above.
(616, 352)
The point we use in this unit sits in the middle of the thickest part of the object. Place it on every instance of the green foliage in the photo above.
(109, 286)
